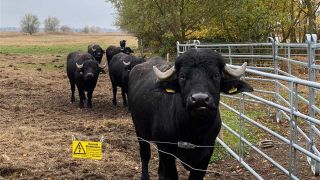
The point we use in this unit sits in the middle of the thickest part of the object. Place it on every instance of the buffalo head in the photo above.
(90, 69)
(123, 44)
(96, 51)
(199, 76)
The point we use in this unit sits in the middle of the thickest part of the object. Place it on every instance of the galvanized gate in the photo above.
(286, 79)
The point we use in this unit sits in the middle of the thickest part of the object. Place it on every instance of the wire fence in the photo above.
(285, 77)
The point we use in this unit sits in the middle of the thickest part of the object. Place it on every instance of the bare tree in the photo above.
(65, 28)
(86, 29)
(30, 24)
(51, 24)
(95, 29)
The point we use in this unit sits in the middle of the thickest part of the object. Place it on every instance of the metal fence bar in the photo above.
(259, 151)
(276, 71)
(297, 45)
(261, 68)
(264, 91)
(300, 97)
(248, 56)
(292, 61)
(284, 78)
(289, 62)
(285, 140)
(259, 79)
(296, 113)
(310, 39)
(234, 45)
(235, 97)
(239, 159)
(313, 66)
(293, 128)
(286, 74)
(229, 51)
(299, 129)
(283, 99)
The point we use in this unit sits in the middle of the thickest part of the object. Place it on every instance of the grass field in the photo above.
(17, 43)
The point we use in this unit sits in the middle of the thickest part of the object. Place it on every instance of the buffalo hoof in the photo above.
(81, 106)
(145, 177)
(89, 106)
(114, 102)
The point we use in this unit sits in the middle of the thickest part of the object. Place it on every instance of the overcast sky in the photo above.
(74, 13)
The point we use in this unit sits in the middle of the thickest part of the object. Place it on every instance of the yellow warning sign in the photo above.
(87, 149)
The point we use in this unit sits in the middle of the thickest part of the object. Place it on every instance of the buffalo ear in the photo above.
(234, 86)
(168, 87)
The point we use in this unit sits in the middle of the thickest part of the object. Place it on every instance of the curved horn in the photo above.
(79, 66)
(103, 66)
(126, 63)
(164, 75)
(235, 72)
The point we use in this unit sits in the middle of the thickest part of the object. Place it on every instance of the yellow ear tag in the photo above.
(170, 90)
(233, 89)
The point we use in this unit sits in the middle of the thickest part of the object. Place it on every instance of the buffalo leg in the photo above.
(145, 157)
(73, 88)
(81, 95)
(125, 103)
(89, 102)
(167, 167)
(203, 164)
(114, 90)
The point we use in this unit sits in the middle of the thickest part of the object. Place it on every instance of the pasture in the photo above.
(37, 121)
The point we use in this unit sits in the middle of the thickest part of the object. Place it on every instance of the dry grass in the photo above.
(104, 39)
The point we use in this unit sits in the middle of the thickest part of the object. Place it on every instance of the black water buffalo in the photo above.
(96, 51)
(119, 69)
(113, 50)
(83, 70)
(181, 104)
(122, 44)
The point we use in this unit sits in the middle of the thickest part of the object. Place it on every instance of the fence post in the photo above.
(276, 67)
(241, 126)
(251, 52)
(293, 128)
(229, 52)
(289, 63)
(178, 48)
(312, 39)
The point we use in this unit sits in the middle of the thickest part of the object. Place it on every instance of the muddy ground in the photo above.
(37, 123)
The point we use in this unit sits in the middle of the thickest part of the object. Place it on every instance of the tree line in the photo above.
(31, 24)
(160, 23)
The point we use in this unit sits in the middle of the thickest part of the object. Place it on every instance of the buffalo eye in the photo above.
(216, 75)
(182, 77)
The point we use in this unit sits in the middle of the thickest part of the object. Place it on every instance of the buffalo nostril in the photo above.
(89, 75)
(200, 97)
(193, 99)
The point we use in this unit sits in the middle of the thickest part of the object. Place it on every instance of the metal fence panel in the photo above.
(288, 66)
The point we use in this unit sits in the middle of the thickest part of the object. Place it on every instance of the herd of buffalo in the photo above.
(168, 103)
